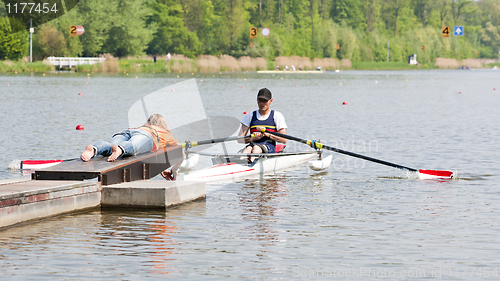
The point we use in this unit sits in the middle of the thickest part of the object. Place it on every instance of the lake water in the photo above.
(356, 220)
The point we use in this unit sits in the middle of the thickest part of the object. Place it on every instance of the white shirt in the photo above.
(279, 120)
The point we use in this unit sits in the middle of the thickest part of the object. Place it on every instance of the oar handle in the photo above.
(190, 144)
(318, 145)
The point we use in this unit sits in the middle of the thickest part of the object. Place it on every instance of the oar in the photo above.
(422, 173)
(189, 144)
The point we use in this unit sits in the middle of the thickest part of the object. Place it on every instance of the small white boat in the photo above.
(232, 167)
(291, 71)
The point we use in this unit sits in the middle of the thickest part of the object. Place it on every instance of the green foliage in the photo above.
(94, 16)
(128, 34)
(13, 46)
(172, 36)
(306, 28)
(48, 41)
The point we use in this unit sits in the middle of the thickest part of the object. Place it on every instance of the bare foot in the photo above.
(116, 151)
(88, 153)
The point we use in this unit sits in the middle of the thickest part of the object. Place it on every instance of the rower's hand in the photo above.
(169, 174)
(259, 133)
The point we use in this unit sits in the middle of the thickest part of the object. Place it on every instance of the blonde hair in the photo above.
(157, 120)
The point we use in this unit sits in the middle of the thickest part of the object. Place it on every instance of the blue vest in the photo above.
(268, 124)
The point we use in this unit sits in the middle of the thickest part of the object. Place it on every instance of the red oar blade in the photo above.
(435, 174)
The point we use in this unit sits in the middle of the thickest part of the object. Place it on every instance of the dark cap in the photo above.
(264, 94)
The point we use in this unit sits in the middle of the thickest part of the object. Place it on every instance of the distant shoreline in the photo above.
(213, 65)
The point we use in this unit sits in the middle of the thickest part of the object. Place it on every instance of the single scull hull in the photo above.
(232, 171)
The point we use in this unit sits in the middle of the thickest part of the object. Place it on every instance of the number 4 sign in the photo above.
(446, 31)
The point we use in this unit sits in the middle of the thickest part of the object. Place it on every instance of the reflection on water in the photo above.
(260, 202)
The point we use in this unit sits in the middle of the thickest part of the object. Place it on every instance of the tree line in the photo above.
(358, 30)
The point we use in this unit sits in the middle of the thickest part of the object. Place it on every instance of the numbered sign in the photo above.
(253, 32)
(72, 30)
(337, 46)
(446, 31)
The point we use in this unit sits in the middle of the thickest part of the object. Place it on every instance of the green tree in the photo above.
(48, 41)
(73, 46)
(348, 11)
(128, 34)
(13, 46)
(372, 10)
(490, 36)
(172, 36)
(95, 16)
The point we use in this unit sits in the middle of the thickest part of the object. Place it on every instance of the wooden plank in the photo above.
(139, 167)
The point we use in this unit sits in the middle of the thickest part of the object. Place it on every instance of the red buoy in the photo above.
(79, 127)
(459, 92)
(79, 94)
(7, 85)
(173, 90)
(493, 88)
(246, 112)
(344, 103)
(296, 85)
(242, 87)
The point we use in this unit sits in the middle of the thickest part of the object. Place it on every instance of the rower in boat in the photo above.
(271, 120)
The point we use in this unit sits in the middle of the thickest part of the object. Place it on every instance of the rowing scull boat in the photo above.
(263, 164)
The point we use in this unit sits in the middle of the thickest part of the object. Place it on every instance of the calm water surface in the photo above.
(356, 220)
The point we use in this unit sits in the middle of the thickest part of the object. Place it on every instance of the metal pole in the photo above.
(387, 51)
(31, 40)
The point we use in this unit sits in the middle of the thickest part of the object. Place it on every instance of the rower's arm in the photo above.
(243, 132)
(276, 138)
(171, 173)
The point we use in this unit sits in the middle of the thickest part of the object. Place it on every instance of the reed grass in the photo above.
(20, 66)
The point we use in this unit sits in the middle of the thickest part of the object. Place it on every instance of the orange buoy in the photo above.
(80, 127)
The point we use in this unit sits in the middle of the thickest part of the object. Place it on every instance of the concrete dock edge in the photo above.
(27, 200)
(152, 193)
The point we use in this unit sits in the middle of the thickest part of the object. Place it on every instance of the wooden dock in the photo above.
(76, 185)
(126, 169)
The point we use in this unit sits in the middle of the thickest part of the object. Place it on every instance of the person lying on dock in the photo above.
(149, 137)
